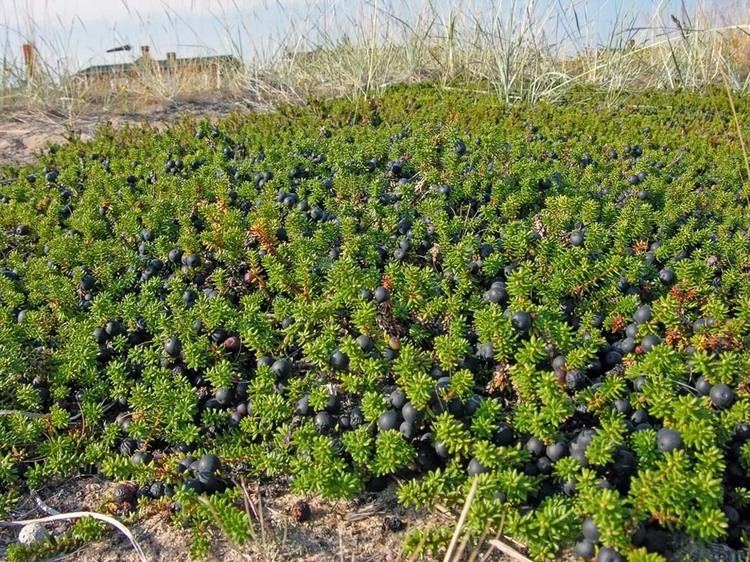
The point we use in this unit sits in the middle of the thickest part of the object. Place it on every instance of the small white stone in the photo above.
(32, 533)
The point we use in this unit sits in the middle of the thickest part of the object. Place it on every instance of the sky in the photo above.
(76, 33)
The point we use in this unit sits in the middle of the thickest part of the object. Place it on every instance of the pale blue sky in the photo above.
(75, 33)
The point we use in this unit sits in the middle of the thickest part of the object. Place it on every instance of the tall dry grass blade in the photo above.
(477, 548)
(461, 520)
(739, 134)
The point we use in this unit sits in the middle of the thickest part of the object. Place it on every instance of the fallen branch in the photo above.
(77, 515)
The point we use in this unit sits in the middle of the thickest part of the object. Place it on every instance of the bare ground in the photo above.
(345, 531)
(24, 134)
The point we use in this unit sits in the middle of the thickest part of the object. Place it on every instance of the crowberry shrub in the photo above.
(550, 303)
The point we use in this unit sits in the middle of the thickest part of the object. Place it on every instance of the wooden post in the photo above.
(29, 61)
(145, 52)
(171, 66)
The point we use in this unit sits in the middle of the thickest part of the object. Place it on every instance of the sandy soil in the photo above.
(24, 134)
(345, 531)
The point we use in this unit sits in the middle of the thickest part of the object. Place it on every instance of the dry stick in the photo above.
(461, 548)
(341, 541)
(247, 502)
(461, 520)
(475, 552)
(261, 518)
(499, 532)
(477, 547)
(509, 550)
(739, 129)
(77, 515)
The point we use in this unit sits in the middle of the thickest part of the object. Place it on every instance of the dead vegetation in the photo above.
(517, 50)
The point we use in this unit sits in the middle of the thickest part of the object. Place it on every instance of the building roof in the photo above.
(163, 64)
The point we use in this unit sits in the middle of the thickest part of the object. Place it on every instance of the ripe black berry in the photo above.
(398, 399)
(140, 457)
(590, 530)
(544, 465)
(192, 260)
(209, 463)
(642, 315)
(607, 554)
(575, 379)
(114, 328)
(649, 341)
(356, 418)
(441, 449)
(742, 432)
(622, 405)
(535, 446)
(125, 493)
(339, 360)
(365, 343)
(303, 407)
(223, 396)
(496, 294)
(722, 396)
(381, 295)
(323, 422)
(503, 434)
(281, 368)
(667, 276)
(475, 467)
(584, 549)
(521, 321)
(173, 346)
(407, 430)
(390, 419)
(100, 335)
(702, 386)
(411, 414)
(556, 451)
(668, 440)
(576, 238)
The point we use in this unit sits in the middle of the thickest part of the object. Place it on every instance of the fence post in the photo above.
(171, 66)
(29, 56)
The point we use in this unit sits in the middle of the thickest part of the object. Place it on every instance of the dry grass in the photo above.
(518, 50)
